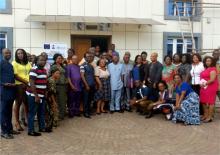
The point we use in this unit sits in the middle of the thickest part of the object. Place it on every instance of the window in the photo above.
(185, 8)
(6, 39)
(177, 45)
(173, 43)
(5, 6)
(3, 43)
(2, 4)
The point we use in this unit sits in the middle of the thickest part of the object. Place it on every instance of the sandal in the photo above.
(103, 111)
(207, 120)
(18, 127)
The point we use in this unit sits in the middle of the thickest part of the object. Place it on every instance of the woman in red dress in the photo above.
(209, 87)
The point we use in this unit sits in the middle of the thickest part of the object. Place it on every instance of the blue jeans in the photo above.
(87, 99)
(115, 100)
(36, 108)
(6, 115)
(125, 97)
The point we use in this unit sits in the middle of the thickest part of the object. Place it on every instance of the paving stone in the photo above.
(119, 134)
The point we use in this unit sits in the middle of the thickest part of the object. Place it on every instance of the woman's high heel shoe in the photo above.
(207, 120)
(18, 127)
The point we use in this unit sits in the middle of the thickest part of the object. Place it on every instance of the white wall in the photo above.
(32, 35)
(211, 29)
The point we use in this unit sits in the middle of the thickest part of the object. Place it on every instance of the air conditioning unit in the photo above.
(91, 27)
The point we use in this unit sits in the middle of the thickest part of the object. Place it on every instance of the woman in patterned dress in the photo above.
(103, 93)
(168, 73)
(187, 103)
(52, 108)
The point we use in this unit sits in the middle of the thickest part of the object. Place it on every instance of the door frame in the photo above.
(86, 36)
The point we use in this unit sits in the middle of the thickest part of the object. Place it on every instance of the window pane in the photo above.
(170, 49)
(189, 46)
(179, 48)
(2, 46)
(2, 35)
(181, 8)
(179, 41)
(189, 8)
(2, 4)
(170, 41)
(171, 7)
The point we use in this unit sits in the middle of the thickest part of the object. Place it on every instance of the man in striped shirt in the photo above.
(36, 96)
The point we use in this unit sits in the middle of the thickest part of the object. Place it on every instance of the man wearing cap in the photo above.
(116, 75)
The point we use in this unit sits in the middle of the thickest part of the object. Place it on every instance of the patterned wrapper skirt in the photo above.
(105, 92)
(189, 110)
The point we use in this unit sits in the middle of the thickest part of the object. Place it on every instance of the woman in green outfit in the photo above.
(61, 85)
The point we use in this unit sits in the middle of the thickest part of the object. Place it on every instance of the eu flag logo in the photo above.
(46, 46)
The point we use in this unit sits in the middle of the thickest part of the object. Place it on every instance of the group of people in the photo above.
(101, 83)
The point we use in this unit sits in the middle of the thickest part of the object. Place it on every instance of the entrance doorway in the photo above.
(81, 43)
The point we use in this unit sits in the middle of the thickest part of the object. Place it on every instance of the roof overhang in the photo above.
(91, 19)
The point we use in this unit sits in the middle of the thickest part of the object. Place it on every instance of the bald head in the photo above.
(6, 53)
(153, 56)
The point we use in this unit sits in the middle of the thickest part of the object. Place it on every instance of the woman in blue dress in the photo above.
(187, 103)
(138, 69)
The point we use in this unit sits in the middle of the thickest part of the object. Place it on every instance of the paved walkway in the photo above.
(119, 134)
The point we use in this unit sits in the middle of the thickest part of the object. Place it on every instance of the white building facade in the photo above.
(132, 25)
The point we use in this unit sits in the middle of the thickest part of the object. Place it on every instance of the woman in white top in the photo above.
(103, 92)
(197, 68)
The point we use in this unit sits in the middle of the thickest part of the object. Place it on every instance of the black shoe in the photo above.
(87, 116)
(111, 112)
(7, 136)
(121, 111)
(48, 130)
(34, 134)
(129, 110)
(78, 115)
(149, 115)
(13, 132)
(42, 130)
(70, 116)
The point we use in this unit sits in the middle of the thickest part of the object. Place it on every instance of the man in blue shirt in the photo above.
(7, 92)
(143, 98)
(88, 78)
(116, 75)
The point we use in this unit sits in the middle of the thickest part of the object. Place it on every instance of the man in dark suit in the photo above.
(7, 92)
